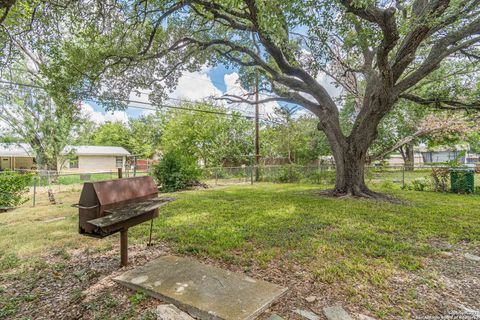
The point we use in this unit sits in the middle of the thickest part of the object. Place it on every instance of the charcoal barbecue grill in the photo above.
(111, 206)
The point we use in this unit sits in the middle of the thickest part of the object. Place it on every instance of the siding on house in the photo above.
(15, 156)
(23, 162)
(396, 159)
(442, 156)
(10, 162)
(95, 163)
(90, 158)
(93, 158)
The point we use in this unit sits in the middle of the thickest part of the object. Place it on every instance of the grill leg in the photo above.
(124, 247)
(150, 239)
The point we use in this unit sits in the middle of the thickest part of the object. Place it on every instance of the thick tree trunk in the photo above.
(350, 152)
(350, 171)
(350, 156)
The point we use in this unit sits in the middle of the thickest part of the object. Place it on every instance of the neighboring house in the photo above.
(17, 156)
(444, 154)
(93, 158)
(396, 159)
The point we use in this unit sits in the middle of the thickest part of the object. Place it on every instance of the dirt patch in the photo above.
(78, 285)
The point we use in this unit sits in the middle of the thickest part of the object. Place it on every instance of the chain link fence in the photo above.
(43, 181)
(419, 178)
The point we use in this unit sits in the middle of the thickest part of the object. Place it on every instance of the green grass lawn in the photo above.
(266, 221)
(357, 245)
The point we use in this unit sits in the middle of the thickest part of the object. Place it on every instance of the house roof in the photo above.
(96, 151)
(24, 150)
(15, 150)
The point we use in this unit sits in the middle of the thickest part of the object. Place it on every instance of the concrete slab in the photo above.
(205, 292)
(275, 317)
(336, 313)
(170, 312)
(307, 314)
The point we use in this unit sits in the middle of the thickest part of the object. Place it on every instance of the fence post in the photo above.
(251, 170)
(134, 166)
(216, 176)
(403, 176)
(34, 189)
(120, 174)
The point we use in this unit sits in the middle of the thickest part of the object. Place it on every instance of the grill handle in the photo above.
(77, 205)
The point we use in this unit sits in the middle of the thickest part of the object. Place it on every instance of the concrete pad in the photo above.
(307, 314)
(170, 312)
(275, 317)
(205, 292)
(336, 313)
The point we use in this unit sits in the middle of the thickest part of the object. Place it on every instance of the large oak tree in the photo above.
(379, 51)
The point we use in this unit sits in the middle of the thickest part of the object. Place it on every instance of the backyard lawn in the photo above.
(385, 260)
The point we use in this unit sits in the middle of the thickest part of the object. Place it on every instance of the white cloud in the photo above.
(328, 83)
(143, 101)
(194, 86)
(197, 86)
(100, 117)
(233, 87)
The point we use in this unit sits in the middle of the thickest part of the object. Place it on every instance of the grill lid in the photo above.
(105, 193)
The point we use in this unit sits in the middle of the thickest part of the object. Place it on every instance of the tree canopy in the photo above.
(380, 52)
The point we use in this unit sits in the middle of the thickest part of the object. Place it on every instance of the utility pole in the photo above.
(257, 129)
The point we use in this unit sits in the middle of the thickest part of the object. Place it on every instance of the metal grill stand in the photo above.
(111, 206)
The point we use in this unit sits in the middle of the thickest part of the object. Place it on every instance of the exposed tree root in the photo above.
(363, 194)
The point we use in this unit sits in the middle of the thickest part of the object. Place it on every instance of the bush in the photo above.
(321, 177)
(13, 186)
(440, 179)
(289, 173)
(419, 184)
(176, 172)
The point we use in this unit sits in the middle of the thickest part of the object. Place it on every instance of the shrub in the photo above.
(176, 172)
(321, 177)
(420, 184)
(13, 186)
(289, 173)
(440, 179)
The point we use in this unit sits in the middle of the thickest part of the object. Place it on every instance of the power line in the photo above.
(138, 91)
(154, 107)
(185, 100)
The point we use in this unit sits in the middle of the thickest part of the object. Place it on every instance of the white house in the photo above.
(72, 159)
(396, 159)
(93, 158)
(442, 154)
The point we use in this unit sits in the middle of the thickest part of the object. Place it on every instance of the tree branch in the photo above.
(446, 104)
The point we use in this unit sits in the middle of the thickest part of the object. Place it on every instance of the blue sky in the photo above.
(194, 86)
(216, 78)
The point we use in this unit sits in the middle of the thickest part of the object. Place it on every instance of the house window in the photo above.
(119, 162)
(73, 163)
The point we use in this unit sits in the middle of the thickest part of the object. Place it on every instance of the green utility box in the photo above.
(462, 180)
